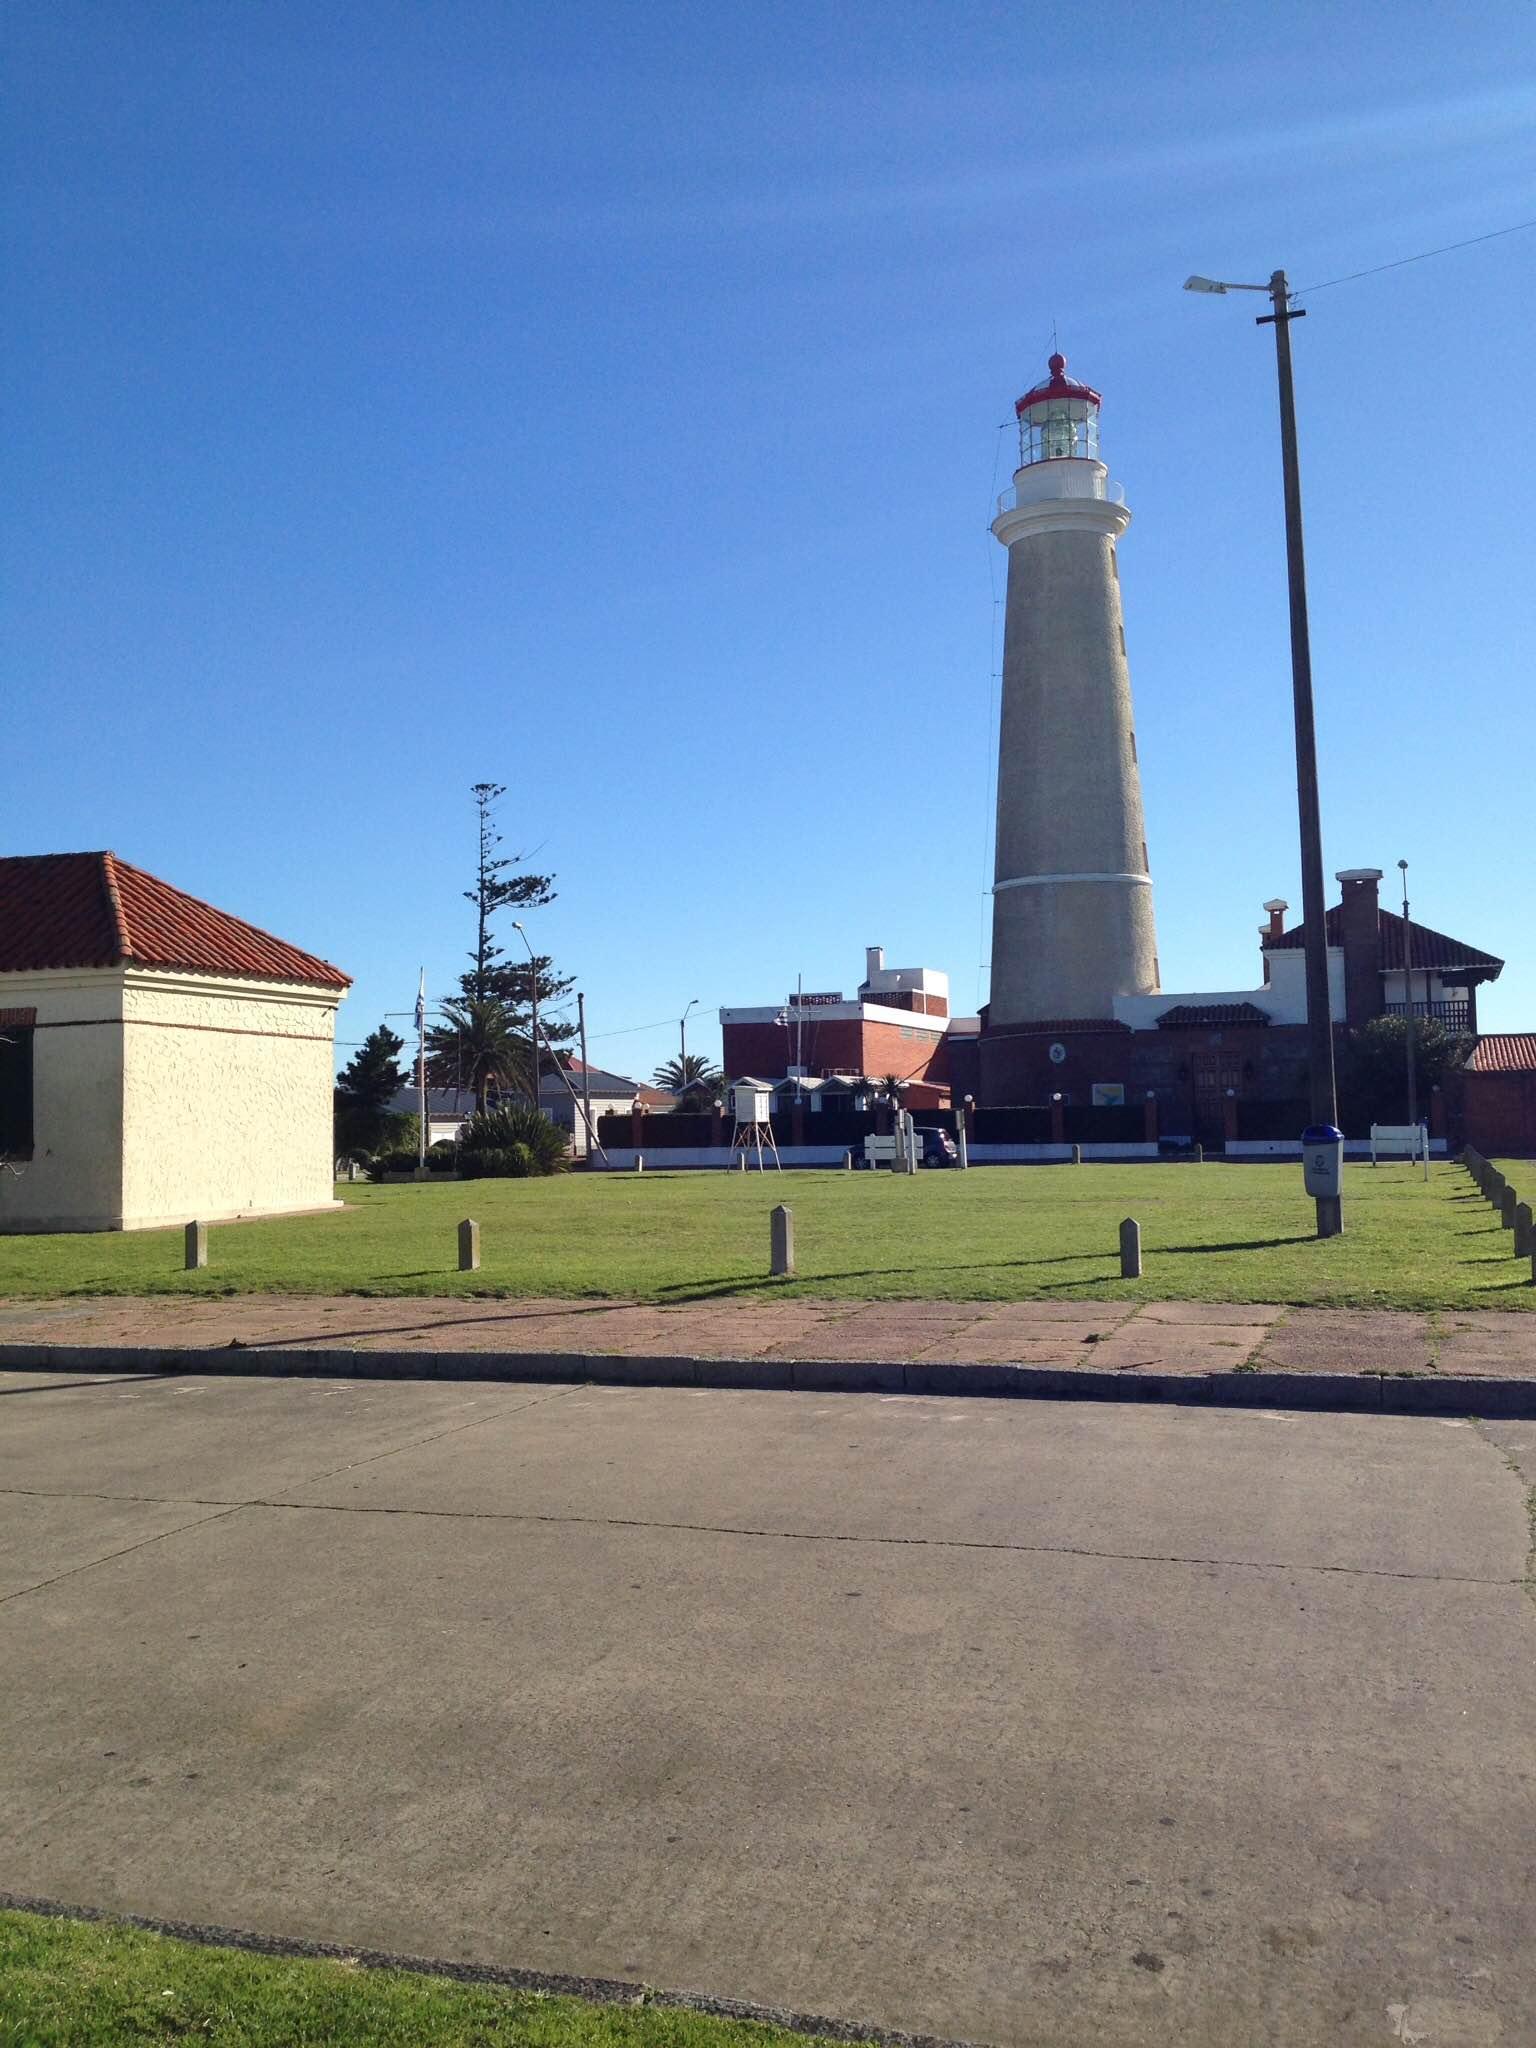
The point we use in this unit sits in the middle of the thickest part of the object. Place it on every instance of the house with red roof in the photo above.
(160, 1060)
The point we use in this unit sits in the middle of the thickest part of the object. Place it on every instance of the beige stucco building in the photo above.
(160, 1060)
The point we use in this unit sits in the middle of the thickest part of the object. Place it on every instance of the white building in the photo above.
(160, 1060)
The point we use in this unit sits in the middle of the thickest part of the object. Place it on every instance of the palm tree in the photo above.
(689, 1075)
(477, 1046)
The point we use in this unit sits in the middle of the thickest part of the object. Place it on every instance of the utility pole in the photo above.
(586, 1072)
(533, 1001)
(1314, 901)
(1408, 1025)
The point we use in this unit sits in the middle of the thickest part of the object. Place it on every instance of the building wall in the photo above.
(1265, 1064)
(914, 1051)
(1494, 1112)
(561, 1110)
(75, 1178)
(227, 1098)
(1283, 997)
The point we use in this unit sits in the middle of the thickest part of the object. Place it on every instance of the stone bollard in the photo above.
(1493, 1188)
(847, 1162)
(741, 1161)
(639, 1162)
(197, 1247)
(1525, 1237)
(781, 1241)
(1077, 1155)
(1199, 1155)
(1130, 1249)
(469, 1246)
(1509, 1202)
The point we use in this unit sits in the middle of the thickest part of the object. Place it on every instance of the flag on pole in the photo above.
(421, 1005)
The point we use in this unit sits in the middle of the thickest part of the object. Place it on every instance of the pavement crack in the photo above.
(882, 1541)
(437, 1435)
(91, 1564)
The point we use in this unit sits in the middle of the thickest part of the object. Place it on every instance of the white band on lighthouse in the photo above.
(1036, 881)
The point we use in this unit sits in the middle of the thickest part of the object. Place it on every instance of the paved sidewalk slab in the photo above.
(1180, 1347)
(1158, 1350)
(1353, 1340)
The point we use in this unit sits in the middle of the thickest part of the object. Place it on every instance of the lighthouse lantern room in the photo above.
(1058, 419)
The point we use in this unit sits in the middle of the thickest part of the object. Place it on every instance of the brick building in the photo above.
(897, 1024)
(1223, 1063)
(1492, 1099)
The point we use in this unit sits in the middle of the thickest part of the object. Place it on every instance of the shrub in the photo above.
(520, 1139)
(499, 1162)
(391, 1162)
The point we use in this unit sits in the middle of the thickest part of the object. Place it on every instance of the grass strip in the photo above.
(96, 1983)
(1217, 1232)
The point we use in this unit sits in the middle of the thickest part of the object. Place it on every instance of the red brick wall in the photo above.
(1498, 1113)
(839, 1043)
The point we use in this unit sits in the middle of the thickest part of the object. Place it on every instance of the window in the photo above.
(16, 1090)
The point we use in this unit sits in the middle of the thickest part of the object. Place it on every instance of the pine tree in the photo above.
(364, 1089)
(493, 977)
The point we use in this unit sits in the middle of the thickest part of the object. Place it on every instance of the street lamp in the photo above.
(1314, 904)
(682, 1044)
(1408, 1033)
(533, 1000)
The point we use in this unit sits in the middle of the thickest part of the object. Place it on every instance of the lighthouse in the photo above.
(1072, 896)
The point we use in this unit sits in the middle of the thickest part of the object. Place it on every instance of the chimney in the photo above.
(1277, 907)
(874, 961)
(1360, 934)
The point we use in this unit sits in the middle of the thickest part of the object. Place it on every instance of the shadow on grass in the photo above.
(1247, 1244)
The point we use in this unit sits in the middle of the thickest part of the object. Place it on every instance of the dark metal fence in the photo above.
(1272, 1119)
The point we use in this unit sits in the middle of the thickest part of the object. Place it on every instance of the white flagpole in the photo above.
(421, 1069)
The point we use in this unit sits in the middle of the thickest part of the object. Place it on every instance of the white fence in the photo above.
(672, 1158)
(1290, 1148)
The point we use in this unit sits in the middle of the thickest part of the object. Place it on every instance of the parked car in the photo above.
(939, 1148)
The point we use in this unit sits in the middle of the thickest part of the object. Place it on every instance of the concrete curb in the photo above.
(596, 1990)
(1385, 1392)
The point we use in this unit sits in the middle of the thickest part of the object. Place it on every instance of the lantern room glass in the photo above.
(1059, 430)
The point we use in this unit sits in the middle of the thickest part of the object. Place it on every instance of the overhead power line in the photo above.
(1423, 256)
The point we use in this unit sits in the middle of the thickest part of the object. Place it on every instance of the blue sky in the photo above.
(605, 399)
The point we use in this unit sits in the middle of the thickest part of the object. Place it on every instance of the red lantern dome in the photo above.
(1057, 385)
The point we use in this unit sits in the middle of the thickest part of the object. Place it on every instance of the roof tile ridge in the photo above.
(256, 930)
(115, 903)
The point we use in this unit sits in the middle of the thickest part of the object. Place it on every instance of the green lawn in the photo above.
(83, 1984)
(1209, 1233)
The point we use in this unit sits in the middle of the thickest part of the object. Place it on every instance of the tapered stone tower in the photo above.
(1072, 897)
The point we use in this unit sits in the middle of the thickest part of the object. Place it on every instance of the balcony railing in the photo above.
(1047, 480)
(1454, 1016)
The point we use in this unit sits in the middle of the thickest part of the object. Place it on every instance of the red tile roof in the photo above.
(94, 910)
(1430, 949)
(1212, 1013)
(1504, 1052)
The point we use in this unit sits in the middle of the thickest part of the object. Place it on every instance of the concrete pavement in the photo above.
(1057, 1724)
